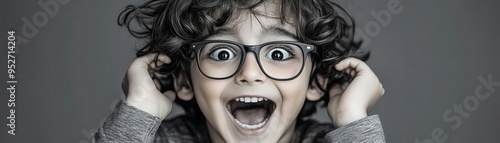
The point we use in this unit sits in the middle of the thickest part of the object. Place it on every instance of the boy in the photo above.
(244, 71)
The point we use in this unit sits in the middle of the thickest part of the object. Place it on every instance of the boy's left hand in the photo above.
(358, 98)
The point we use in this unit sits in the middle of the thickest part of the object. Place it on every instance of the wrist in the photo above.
(346, 117)
(146, 106)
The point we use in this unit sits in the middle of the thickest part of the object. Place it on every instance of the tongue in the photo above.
(250, 116)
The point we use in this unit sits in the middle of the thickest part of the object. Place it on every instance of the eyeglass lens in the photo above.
(280, 61)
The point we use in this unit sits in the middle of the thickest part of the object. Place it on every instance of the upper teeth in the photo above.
(250, 99)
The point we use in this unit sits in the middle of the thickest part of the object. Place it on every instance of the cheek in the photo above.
(294, 93)
(204, 88)
(296, 88)
(207, 91)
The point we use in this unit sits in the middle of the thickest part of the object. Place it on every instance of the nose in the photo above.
(250, 72)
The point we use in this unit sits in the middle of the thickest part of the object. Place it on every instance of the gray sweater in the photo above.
(129, 124)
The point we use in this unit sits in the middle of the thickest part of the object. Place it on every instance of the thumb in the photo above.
(170, 95)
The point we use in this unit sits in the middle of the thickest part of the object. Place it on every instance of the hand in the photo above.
(142, 91)
(360, 95)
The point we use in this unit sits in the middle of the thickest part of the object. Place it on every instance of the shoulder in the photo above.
(182, 129)
(311, 131)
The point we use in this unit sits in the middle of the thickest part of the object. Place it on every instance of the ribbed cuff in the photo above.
(129, 124)
(368, 129)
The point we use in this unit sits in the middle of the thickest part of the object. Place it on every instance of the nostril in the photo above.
(243, 81)
(254, 81)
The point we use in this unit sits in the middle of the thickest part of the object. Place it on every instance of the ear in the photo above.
(183, 87)
(314, 92)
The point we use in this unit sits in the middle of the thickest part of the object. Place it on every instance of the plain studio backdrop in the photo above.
(437, 59)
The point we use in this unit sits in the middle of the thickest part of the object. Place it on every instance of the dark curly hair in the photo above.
(169, 26)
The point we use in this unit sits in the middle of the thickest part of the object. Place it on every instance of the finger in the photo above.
(146, 61)
(351, 72)
(139, 74)
(365, 89)
(151, 56)
(161, 60)
(353, 64)
(170, 95)
(164, 59)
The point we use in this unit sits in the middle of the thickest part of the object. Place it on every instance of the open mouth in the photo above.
(251, 112)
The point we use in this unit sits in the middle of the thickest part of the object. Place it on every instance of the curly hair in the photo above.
(169, 26)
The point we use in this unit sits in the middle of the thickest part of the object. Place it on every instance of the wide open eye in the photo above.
(279, 54)
(222, 53)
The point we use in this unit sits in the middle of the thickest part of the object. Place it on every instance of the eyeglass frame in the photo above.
(305, 48)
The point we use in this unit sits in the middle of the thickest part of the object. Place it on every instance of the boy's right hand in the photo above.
(142, 91)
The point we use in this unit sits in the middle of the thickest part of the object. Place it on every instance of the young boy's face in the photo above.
(272, 106)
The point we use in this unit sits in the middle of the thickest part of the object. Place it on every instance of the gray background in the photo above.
(429, 57)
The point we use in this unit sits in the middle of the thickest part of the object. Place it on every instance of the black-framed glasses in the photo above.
(279, 60)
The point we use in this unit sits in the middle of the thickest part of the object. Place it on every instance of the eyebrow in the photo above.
(223, 31)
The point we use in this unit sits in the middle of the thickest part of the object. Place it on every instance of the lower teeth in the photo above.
(251, 127)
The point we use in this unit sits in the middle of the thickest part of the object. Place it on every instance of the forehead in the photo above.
(274, 31)
(263, 22)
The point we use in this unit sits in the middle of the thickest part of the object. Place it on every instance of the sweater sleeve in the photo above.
(368, 129)
(127, 124)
